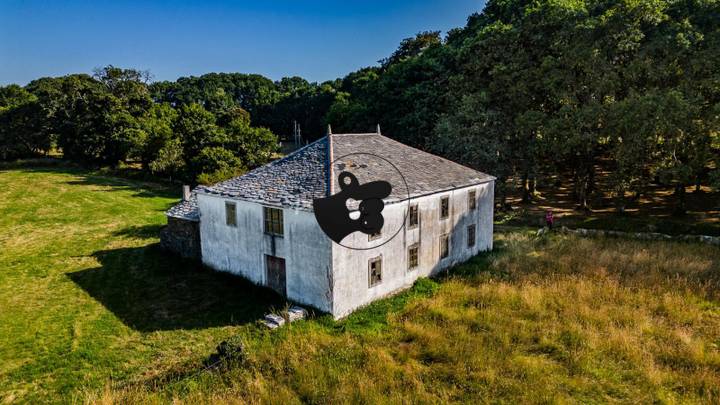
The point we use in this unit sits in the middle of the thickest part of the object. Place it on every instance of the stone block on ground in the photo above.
(273, 321)
(295, 312)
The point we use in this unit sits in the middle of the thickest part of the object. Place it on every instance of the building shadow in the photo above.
(151, 290)
(150, 231)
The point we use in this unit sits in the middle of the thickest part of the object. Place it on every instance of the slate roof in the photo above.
(418, 173)
(185, 209)
(295, 180)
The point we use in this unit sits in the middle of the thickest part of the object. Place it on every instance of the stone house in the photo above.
(261, 225)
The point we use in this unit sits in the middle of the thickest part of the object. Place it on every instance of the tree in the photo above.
(253, 93)
(158, 126)
(253, 146)
(21, 132)
(215, 164)
(476, 136)
(83, 133)
(169, 159)
(411, 47)
(197, 128)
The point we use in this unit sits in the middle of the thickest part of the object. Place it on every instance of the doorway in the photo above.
(276, 273)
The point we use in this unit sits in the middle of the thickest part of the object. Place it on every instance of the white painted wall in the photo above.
(350, 267)
(333, 278)
(241, 250)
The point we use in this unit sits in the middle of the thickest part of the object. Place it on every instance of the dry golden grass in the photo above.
(553, 320)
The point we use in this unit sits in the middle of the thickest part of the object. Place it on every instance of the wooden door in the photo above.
(275, 273)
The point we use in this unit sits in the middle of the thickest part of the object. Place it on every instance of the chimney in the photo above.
(186, 193)
(378, 129)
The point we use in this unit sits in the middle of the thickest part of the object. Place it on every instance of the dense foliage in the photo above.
(110, 117)
(532, 90)
(528, 91)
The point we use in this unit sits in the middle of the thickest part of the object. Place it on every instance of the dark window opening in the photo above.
(273, 221)
(472, 200)
(375, 271)
(471, 235)
(444, 207)
(444, 246)
(374, 236)
(413, 216)
(230, 214)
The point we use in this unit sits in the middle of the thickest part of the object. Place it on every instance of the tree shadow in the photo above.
(141, 188)
(141, 232)
(134, 180)
(151, 290)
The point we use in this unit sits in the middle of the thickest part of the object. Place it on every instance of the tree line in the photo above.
(111, 117)
(532, 92)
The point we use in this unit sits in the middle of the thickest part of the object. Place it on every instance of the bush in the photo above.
(228, 353)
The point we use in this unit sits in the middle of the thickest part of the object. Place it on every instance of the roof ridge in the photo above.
(357, 133)
(328, 165)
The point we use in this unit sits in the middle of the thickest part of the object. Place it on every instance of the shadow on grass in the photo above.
(151, 290)
(141, 188)
(141, 232)
(142, 183)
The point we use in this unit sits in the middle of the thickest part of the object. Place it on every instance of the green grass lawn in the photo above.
(92, 310)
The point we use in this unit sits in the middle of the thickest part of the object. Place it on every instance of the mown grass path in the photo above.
(91, 309)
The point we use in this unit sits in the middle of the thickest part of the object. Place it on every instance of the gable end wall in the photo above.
(350, 267)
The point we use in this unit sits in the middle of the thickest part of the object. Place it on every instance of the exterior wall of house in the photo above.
(351, 267)
(241, 249)
(181, 236)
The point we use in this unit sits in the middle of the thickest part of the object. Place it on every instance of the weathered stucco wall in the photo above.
(351, 269)
(333, 278)
(241, 250)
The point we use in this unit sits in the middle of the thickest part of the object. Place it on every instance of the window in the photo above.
(374, 271)
(444, 246)
(471, 235)
(413, 253)
(273, 221)
(472, 200)
(374, 236)
(444, 207)
(230, 214)
(413, 216)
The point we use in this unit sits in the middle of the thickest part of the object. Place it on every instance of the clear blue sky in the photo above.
(318, 40)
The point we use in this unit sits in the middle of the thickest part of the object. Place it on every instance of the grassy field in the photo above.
(92, 311)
